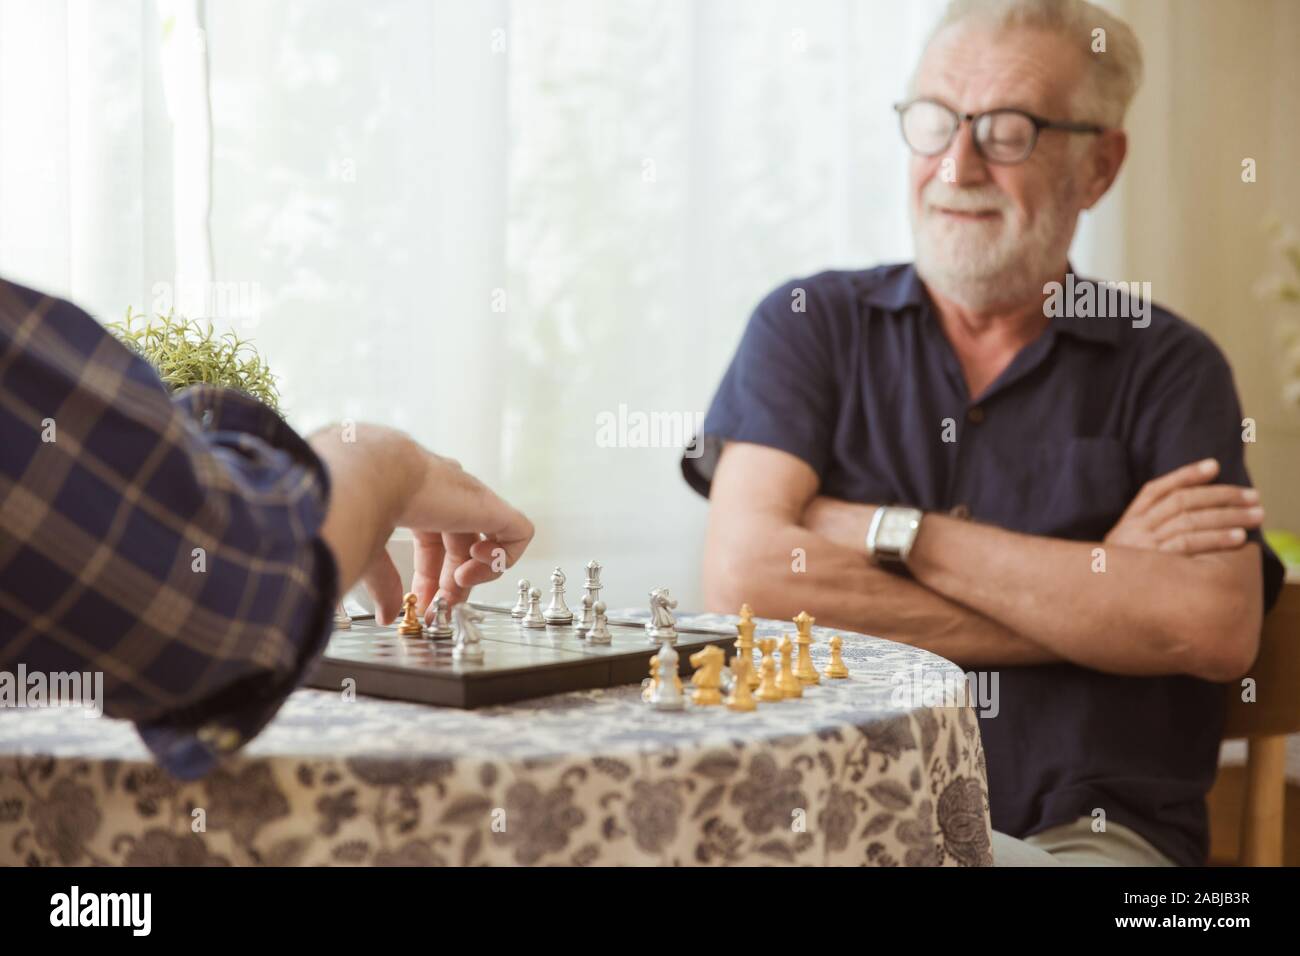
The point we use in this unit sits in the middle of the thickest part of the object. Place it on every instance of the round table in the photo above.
(860, 771)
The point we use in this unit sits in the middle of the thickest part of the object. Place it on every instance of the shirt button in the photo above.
(960, 511)
(975, 415)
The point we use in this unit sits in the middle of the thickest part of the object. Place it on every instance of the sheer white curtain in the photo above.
(85, 151)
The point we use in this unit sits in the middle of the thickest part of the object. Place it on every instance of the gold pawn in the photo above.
(789, 684)
(745, 643)
(836, 669)
(768, 692)
(741, 698)
(647, 692)
(411, 623)
(804, 669)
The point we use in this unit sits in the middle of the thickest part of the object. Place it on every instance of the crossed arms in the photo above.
(1182, 590)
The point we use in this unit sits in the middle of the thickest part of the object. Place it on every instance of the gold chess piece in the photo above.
(786, 682)
(804, 669)
(707, 677)
(768, 692)
(745, 643)
(411, 623)
(836, 669)
(741, 698)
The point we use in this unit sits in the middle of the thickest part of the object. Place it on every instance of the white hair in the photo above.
(1113, 77)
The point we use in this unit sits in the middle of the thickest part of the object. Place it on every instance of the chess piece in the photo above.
(707, 677)
(521, 605)
(667, 693)
(662, 626)
(557, 612)
(441, 619)
(786, 682)
(469, 638)
(649, 683)
(599, 633)
(745, 644)
(588, 619)
(741, 697)
(534, 617)
(592, 585)
(410, 624)
(836, 669)
(768, 692)
(804, 670)
(342, 619)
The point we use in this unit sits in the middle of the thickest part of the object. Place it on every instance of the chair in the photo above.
(1265, 725)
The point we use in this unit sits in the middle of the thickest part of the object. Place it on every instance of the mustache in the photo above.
(974, 199)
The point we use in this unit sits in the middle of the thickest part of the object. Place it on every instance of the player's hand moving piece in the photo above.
(381, 480)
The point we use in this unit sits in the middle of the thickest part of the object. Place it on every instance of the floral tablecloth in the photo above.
(847, 775)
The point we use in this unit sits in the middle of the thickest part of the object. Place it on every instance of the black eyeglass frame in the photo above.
(1040, 123)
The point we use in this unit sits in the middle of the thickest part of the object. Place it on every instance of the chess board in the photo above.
(518, 663)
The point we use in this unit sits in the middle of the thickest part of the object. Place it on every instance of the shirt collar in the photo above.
(901, 288)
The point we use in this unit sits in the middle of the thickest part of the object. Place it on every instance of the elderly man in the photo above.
(965, 466)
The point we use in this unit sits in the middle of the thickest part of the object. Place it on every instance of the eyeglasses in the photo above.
(1005, 136)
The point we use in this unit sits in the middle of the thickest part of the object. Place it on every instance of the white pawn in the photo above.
(441, 619)
(599, 633)
(667, 696)
(558, 612)
(521, 605)
(588, 618)
(342, 619)
(534, 618)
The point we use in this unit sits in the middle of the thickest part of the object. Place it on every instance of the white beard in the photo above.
(983, 265)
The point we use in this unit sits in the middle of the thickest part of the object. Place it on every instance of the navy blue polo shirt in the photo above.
(851, 372)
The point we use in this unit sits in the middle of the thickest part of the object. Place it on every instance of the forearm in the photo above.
(756, 560)
(1122, 610)
(374, 471)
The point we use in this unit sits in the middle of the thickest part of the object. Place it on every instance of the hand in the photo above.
(1180, 512)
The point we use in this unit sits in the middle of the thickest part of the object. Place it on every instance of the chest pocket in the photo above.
(1073, 488)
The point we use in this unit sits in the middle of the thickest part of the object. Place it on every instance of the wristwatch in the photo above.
(892, 533)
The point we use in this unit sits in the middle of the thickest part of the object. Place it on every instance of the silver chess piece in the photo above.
(342, 619)
(441, 626)
(534, 617)
(666, 695)
(662, 626)
(557, 612)
(599, 633)
(592, 585)
(469, 639)
(588, 617)
(521, 605)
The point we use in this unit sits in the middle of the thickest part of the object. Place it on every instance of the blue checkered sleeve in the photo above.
(170, 543)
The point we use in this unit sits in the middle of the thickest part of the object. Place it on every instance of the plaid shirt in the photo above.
(169, 542)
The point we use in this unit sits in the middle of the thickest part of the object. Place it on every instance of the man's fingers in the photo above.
(1197, 473)
(429, 557)
(474, 572)
(457, 547)
(1210, 519)
(385, 586)
(1198, 499)
(1199, 542)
